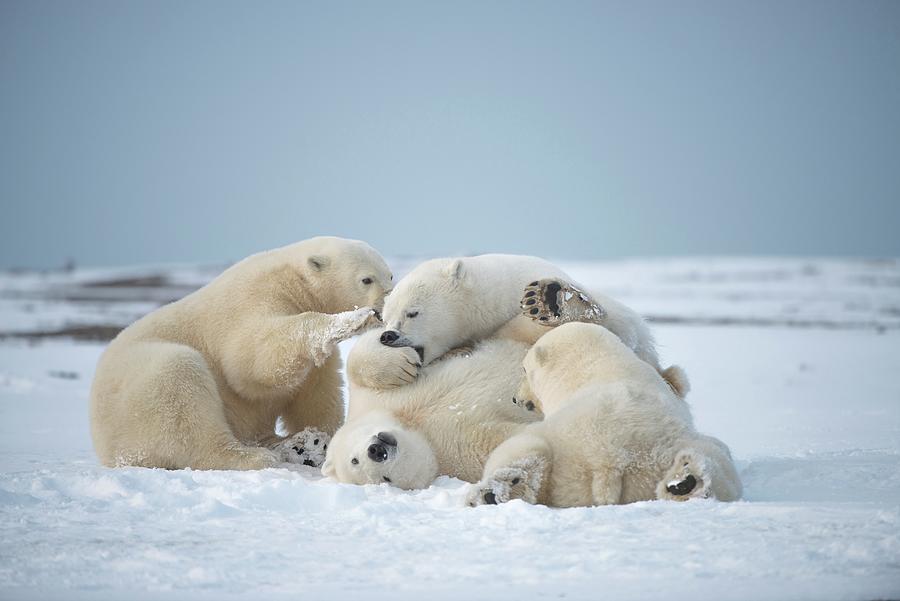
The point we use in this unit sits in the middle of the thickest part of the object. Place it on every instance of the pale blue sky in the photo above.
(204, 131)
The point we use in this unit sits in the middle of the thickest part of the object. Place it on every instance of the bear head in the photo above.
(433, 309)
(377, 449)
(347, 274)
(559, 364)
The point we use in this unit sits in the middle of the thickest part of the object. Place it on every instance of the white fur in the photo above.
(200, 382)
(614, 431)
(446, 421)
(460, 300)
(463, 300)
(462, 405)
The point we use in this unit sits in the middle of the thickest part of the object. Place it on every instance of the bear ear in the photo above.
(328, 468)
(455, 270)
(318, 262)
(540, 354)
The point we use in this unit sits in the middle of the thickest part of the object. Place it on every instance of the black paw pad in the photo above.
(309, 462)
(550, 294)
(490, 498)
(683, 487)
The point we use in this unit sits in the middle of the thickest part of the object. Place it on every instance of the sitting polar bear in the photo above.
(613, 432)
(445, 303)
(201, 382)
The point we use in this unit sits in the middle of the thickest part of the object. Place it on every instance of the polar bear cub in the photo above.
(615, 432)
(201, 382)
(443, 304)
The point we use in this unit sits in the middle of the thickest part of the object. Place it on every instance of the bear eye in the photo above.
(412, 314)
(367, 281)
(354, 461)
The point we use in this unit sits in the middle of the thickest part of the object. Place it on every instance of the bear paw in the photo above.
(392, 368)
(350, 323)
(341, 327)
(688, 478)
(306, 447)
(553, 302)
(519, 480)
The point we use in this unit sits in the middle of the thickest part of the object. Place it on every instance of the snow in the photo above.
(793, 363)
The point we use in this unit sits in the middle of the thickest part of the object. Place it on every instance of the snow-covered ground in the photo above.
(795, 364)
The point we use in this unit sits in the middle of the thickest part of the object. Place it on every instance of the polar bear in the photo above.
(444, 422)
(614, 432)
(406, 426)
(201, 382)
(446, 303)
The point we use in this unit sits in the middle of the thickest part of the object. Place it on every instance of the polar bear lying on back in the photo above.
(613, 432)
(445, 422)
(200, 382)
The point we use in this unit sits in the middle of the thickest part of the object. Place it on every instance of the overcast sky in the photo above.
(156, 131)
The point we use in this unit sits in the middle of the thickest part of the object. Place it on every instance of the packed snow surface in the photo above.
(795, 364)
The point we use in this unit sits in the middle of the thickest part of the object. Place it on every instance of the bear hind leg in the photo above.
(606, 487)
(553, 302)
(173, 417)
(702, 468)
(521, 479)
(517, 469)
(687, 478)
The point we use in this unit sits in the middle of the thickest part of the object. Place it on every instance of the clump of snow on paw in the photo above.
(306, 447)
(347, 323)
(340, 327)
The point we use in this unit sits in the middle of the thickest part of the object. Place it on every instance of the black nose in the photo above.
(377, 452)
(389, 337)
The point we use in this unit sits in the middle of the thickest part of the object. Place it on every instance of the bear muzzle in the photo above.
(389, 338)
(393, 338)
(384, 442)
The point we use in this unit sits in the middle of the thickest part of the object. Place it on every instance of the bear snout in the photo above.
(389, 337)
(377, 452)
